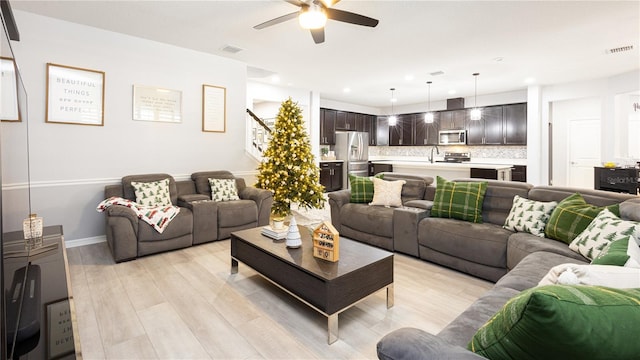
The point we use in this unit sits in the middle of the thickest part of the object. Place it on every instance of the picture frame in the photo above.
(60, 341)
(9, 111)
(214, 108)
(74, 95)
(152, 103)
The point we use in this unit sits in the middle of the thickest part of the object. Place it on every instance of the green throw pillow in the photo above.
(623, 252)
(459, 200)
(563, 322)
(572, 216)
(361, 188)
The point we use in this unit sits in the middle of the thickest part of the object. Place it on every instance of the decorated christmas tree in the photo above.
(289, 169)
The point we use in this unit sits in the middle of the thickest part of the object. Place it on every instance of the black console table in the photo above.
(47, 326)
(623, 180)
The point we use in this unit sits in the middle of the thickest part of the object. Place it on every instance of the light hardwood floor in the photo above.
(186, 305)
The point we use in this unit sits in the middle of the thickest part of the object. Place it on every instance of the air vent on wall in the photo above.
(436, 73)
(619, 49)
(231, 49)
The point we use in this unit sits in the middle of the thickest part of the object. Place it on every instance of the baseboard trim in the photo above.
(85, 241)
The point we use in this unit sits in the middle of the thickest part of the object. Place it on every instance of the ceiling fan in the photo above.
(313, 15)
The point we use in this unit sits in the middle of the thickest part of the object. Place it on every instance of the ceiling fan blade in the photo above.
(277, 20)
(352, 18)
(329, 3)
(296, 2)
(318, 35)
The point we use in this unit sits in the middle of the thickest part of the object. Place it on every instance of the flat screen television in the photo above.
(15, 203)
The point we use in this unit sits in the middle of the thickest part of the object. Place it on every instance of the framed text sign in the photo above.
(8, 91)
(74, 95)
(156, 104)
(59, 329)
(214, 108)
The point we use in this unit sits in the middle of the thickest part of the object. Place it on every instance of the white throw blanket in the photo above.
(157, 217)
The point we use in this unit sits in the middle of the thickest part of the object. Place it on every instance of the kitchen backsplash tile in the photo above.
(476, 152)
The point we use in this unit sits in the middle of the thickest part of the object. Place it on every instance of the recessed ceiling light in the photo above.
(498, 59)
(275, 78)
(451, 92)
(346, 90)
(529, 80)
(408, 77)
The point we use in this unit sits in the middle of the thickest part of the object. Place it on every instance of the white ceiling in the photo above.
(552, 42)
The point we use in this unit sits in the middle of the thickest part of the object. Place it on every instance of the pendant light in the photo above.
(476, 114)
(428, 117)
(393, 120)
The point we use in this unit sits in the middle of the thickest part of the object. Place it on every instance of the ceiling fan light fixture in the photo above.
(313, 17)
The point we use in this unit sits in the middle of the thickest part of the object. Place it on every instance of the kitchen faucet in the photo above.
(437, 151)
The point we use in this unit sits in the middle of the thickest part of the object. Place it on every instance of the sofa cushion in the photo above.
(605, 228)
(361, 189)
(578, 319)
(459, 200)
(571, 217)
(387, 193)
(533, 268)
(153, 193)
(223, 189)
(521, 245)
(368, 219)
(529, 215)
(630, 209)
(236, 213)
(484, 244)
(623, 252)
(181, 224)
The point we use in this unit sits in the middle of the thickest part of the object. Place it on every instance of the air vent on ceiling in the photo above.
(619, 49)
(231, 49)
(436, 73)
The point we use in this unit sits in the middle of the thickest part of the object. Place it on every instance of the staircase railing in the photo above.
(260, 132)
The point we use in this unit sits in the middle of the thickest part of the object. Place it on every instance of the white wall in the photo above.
(70, 164)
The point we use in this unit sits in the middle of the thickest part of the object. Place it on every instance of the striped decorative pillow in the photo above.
(459, 200)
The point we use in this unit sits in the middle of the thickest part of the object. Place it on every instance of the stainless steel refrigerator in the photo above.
(353, 148)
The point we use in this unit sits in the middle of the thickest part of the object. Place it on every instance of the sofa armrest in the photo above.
(186, 200)
(336, 200)
(411, 343)
(420, 204)
(124, 212)
(263, 199)
(122, 232)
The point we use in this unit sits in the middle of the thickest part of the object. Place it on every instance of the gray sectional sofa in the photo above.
(200, 219)
(515, 261)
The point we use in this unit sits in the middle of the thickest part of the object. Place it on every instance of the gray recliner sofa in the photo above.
(200, 219)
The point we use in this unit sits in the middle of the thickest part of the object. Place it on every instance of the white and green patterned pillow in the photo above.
(604, 229)
(529, 215)
(223, 189)
(152, 194)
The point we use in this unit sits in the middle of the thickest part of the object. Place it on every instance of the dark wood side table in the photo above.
(327, 287)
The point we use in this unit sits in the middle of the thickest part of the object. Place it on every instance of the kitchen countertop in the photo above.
(443, 165)
(326, 161)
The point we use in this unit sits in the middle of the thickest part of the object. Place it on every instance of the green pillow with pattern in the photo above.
(563, 322)
(459, 200)
(572, 216)
(361, 188)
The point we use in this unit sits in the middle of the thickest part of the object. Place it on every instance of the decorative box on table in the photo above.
(326, 242)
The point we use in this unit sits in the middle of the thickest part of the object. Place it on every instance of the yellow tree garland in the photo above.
(289, 169)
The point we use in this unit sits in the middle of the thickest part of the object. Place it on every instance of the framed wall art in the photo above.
(74, 95)
(8, 91)
(157, 104)
(214, 108)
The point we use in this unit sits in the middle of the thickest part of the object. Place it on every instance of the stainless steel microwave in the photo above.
(452, 137)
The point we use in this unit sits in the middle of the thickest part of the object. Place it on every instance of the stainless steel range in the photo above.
(456, 157)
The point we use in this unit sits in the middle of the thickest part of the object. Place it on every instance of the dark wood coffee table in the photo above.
(327, 287)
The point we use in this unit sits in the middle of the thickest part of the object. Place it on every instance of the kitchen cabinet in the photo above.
(331, 175)
(452, 119)
(489, 129)
(382, 131)
(515, 124)
(401, 134)
(371, 127)
(519, 173)
(328, 126)
(426, 134)
(361, 122)
(345, 121)
(493, 174)
(378, 168)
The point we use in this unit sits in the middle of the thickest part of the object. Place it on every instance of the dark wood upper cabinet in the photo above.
(371, 127)
(493, 125)
(402, 132)
(328, 126)
(515, 126)
(452, 119)
(361, 120)
(426, 134)
(345, 121)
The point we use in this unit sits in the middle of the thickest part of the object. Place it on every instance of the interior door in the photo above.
(583, 151)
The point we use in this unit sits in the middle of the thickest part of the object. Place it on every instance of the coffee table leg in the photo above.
(390, 296)
(234, 266)
(332, 325)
